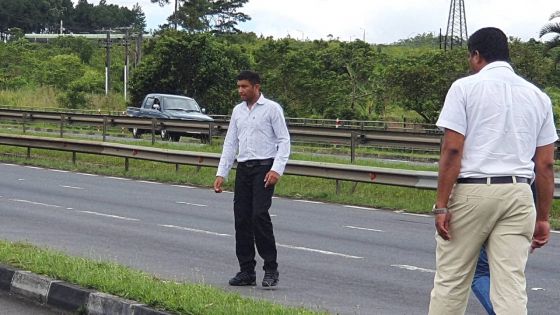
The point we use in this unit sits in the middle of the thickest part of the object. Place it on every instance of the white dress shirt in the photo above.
(256, 134)
(503, 118)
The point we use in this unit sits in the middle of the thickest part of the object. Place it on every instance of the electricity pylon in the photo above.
(456, 33)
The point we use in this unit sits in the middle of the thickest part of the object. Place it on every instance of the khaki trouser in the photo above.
(503, 215)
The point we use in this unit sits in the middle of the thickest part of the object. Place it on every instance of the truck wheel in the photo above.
(164, 135)
(136, 133)
(174, 137)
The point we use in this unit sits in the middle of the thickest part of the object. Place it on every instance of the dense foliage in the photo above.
(316, 79)
(45, 16)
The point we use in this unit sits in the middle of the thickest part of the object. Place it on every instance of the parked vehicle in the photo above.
(167, 106)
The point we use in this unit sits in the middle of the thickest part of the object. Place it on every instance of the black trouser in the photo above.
(252, 221)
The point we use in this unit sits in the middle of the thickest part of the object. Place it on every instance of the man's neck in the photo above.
(254, 101)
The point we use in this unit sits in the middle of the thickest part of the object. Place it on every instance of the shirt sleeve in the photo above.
(283, 141)
(231, 143)
(547, 134)
(453, 115)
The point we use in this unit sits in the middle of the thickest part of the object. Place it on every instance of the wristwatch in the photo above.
(436, 210)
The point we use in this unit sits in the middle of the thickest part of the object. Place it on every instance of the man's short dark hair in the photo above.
(250, 76)
(491, 43)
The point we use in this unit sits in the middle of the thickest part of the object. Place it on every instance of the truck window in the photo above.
(149, 103)
(173, 103)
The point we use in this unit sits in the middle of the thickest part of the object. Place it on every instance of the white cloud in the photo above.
(384, 21)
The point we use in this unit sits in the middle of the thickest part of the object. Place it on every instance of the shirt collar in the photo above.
(497, 64)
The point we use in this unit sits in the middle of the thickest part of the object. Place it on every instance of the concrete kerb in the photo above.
(67, 297)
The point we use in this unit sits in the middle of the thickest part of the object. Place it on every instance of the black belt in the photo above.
(253, 163)
(494, 180)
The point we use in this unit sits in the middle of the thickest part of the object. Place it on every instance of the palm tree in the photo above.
(552, 28)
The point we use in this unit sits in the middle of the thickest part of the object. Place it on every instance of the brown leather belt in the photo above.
(494, 180)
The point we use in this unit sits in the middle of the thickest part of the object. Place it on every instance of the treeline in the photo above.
(44, 16)
(323, 79)
(319, 79)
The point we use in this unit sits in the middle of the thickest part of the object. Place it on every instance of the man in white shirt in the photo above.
(498, 132)
(258, 135)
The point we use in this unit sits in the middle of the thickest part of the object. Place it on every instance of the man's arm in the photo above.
(231, 144)
(544, 181)
(449, 167)
(283, 142)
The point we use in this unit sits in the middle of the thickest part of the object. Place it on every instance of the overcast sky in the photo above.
(381, 21)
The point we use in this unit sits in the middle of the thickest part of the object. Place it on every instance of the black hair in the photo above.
(491, 43)
(250, 76)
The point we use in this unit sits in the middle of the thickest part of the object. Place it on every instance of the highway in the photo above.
(343, 259)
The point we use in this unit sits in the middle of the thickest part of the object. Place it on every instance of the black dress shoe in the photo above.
(243, 278)
(270, 279)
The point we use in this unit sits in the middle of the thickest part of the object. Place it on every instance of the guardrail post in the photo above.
(210, 132)
(104, 127)
(62, 125)
(126, 164)
(74, 157)
(153, 131)
(24, 121)
(176, 167)
(28, 152)
(353, 141)
(337, 187)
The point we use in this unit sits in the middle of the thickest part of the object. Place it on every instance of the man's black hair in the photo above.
(491, 43)
(250, 76)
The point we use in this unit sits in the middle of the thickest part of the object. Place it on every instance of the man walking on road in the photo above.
(258, 135)
(498, 128)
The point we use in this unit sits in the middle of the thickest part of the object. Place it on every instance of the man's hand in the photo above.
(271, 178)
(442, 225)
(218, 184)
(540, 235)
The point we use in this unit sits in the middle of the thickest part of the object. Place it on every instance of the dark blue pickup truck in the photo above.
(167, 106)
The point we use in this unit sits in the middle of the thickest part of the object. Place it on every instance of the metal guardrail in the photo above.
(365, 174)
(351, 136)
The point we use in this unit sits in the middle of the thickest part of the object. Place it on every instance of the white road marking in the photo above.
(148, 182)
(326, 252)
(556, 232)
(35, 167)
(363, 208)
(193, 230)
(117, 178)
(183, 186)
(418, 214)
(21, 179)
(309, 201)
(35, 203)
(10, 164)
(71, 187)
(108, 215)
(273, 215)
(362, 228)
(59, 171)
(86, 174)
(538, 289)
(414, 268)
(191, 204)
(69, 208)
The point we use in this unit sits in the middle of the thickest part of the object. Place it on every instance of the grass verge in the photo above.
(180, 298)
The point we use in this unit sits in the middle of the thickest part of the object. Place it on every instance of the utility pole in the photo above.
(126, 53)
(175, 13)
(107, 43)
(456, 25)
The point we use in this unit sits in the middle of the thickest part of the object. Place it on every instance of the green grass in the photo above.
(181, 298)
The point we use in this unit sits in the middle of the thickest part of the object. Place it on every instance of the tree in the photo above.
(552, 28)
(420, 82)
(218, 16)
(196, 65)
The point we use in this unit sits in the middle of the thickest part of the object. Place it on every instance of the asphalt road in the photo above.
(13, 305)
(343, 259)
